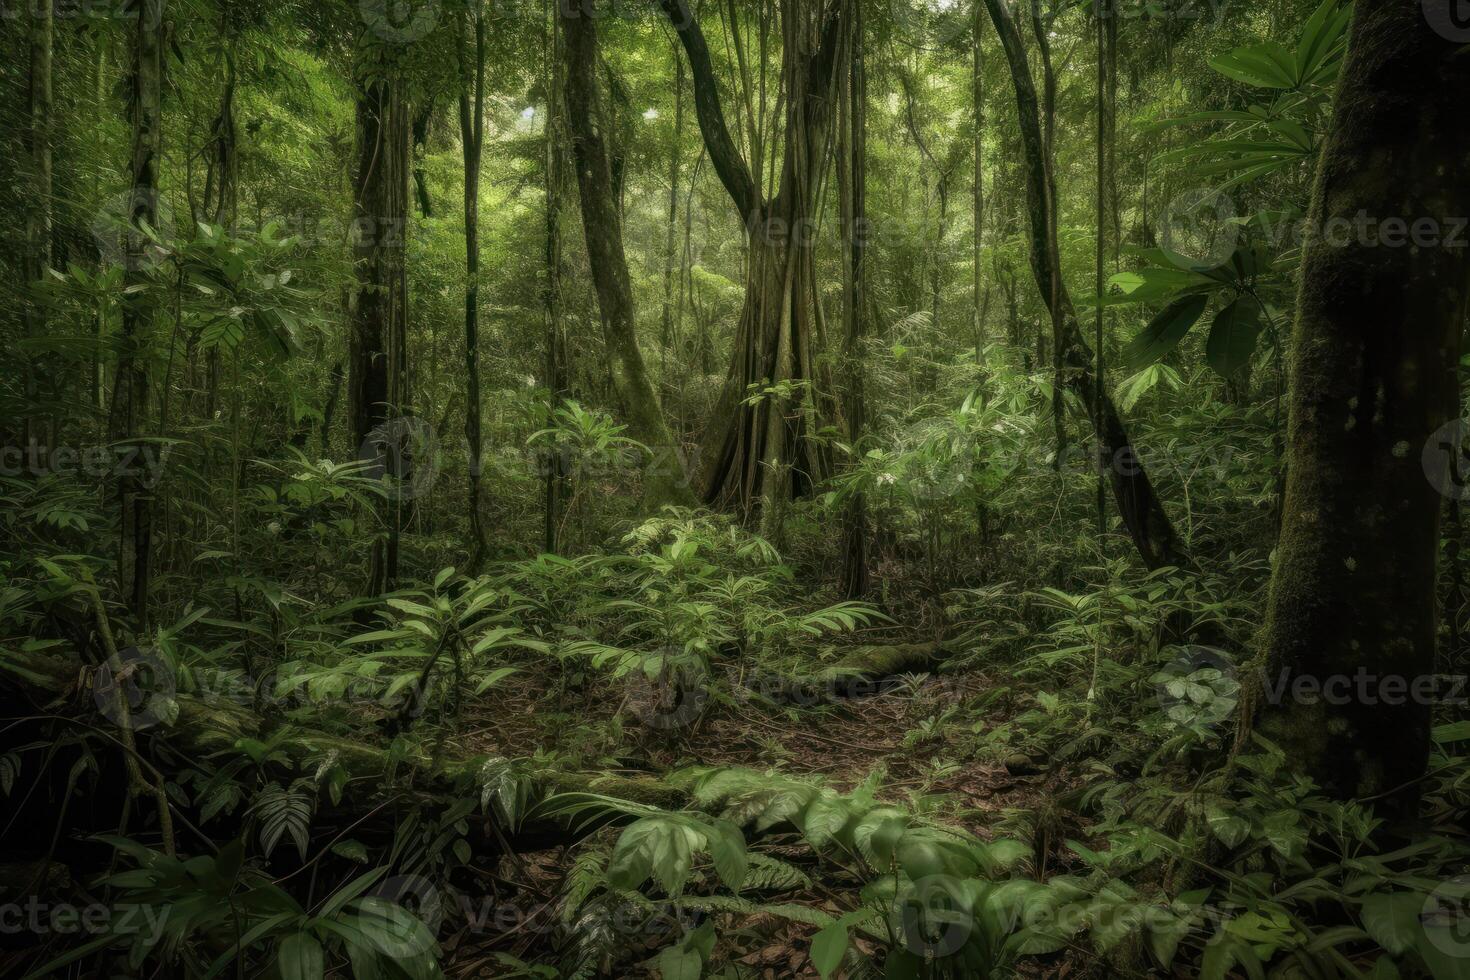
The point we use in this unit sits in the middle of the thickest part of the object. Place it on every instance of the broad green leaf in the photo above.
(1164, 331)
(1233, 336)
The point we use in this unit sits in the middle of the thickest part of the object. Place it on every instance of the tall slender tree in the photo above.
(472, 139)
(38, 217)
(554, 167)
(377, 359)
(852, 189)
(602, 226)
(130, 392)
(666, 338)
(980, 297)
(1142, 511)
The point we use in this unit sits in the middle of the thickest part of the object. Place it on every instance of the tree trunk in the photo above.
(759, 449)
(130, 396)
(1142, 511)
(472, 137)
(666, 340)
(377, 360)
(1373, 377)
(38, 218)
(221, 191)
(1053, 285)
(602, 224)
(556, 384)
(1104, 19)
(978, 189)
(852, 188)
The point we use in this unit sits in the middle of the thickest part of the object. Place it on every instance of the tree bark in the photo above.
(978, 189)
(38, 218)
(555, 168)
(221, 189)
(472, 137)
(759, 449)
(377, 359)
(852, 187)
(666, 340)
(130, 396)
(1375, 350)
(602, 224)
(1142, 511)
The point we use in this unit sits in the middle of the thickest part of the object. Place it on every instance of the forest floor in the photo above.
(902, 731)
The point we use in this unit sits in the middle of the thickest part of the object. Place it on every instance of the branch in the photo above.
(729, 165)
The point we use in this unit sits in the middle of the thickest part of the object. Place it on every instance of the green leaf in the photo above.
(300, 957)
(1457, 731)
(727, 850)
(1233, 336)
(1231, 830)
(1165, 331)
(1392, 919)
(1267, 65)
(829, 945)
(352, 850)
(676, 963)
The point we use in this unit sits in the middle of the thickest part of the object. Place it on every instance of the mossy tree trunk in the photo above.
(852, 151)
(1373, 375)
(472, 137)
(130, 394)
(602, 224)
(377, 362)
(759, 448)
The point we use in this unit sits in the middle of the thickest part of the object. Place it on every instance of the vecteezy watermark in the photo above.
(143, 461)
(673, 695)
(138, 691)
(1445, 460)
(1364, 687)
(1445, 917)
(403, 453)
(933, 919)
(653, 920)
(417, 895)
(1450, 19)
(120, 237)
(400, 21)
(1199, 229)
(1197, 688)
(64, 919)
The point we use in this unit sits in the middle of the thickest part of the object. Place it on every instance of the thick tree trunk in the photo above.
(472, 136)
(602, 223)
(759, 449)
(1373, 377)
(130, 396)
(377, 359)
(1143, 513)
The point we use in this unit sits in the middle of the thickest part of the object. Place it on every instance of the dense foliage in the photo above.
(511, 666)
